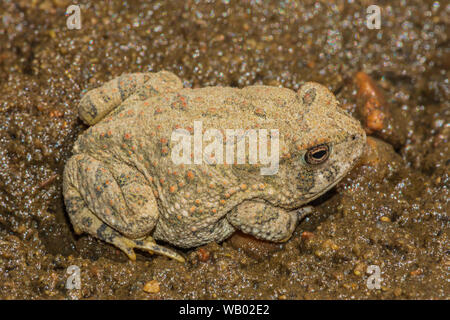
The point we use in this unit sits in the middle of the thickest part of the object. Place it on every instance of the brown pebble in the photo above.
(152, 286)
(379, 118)
(416, 272)
(329, 244)
(306, 235)
(374, 104)
(375, 120)
(203, 254)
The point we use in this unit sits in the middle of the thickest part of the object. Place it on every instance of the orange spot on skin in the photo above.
(259, 111)
(198, 201)
(192, 209)
(227, 195)
(190, 175)
(222, 202)
(150, 179)
(146, 103)
(161, 180)
(173, 188)
(243, 186)
(262, 186)
(214, 210)
(164, 150)
(130, 112)
(181, 184)
(155, 193)
(163, 140)
(127, 136)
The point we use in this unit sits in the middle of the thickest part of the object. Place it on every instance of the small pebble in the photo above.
(203, 254)
(152, 286)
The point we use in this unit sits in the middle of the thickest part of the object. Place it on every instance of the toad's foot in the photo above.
(304, 212)
(93, 225)
(147, 244)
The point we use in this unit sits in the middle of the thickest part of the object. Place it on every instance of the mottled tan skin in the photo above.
(122, 186)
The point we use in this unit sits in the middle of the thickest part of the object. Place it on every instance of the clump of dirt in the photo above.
(390, 212)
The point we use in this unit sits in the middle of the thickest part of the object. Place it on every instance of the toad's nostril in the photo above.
(354, 137)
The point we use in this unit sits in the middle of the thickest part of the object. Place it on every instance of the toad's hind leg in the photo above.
(87, 222)
(99, 102)
(113, 204)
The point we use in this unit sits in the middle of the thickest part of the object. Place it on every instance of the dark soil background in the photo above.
(392, 211)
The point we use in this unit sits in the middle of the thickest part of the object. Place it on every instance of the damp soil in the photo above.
(390, 212)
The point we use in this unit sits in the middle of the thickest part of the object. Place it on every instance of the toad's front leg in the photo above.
(264, 221)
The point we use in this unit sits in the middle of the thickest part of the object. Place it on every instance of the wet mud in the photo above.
(390, 212)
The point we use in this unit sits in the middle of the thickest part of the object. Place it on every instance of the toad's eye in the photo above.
(317, 154)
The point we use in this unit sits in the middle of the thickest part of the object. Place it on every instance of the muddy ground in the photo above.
(391, 211)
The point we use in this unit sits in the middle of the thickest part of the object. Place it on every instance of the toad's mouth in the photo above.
(316, 195)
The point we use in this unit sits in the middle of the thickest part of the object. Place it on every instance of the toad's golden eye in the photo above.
(317, 154)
